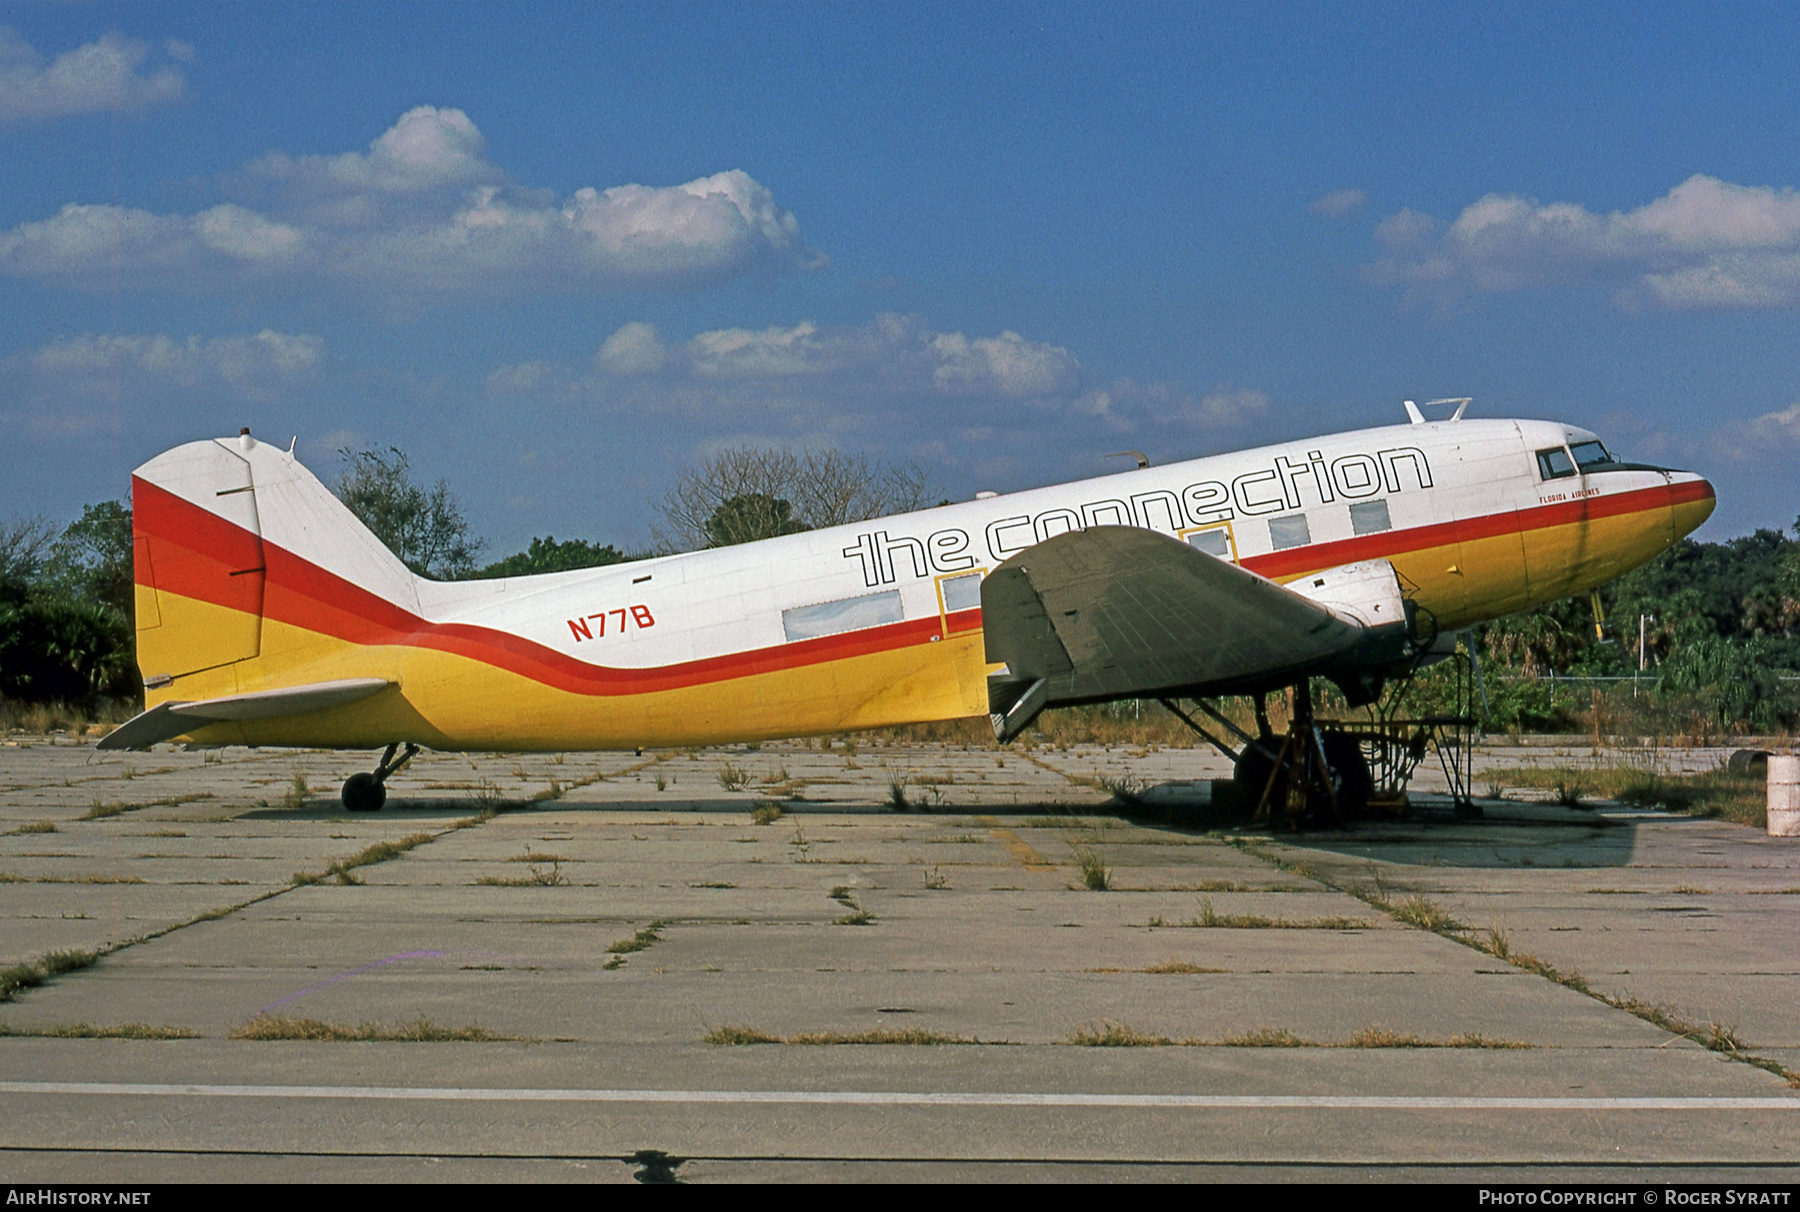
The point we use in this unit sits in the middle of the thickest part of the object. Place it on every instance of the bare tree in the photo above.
(819, 487)
(24, 546)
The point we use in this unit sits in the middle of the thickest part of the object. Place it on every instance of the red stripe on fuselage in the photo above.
(1391, 543)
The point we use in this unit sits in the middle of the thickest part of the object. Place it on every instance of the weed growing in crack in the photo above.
(643, 940)
(1094, 875)
(801, 845)
(380, 852)
(935, 881)
(18, 977)
(1426, 915)
(733, 778)
(538, 875)
(423, 1031)
(1128, 790)
(1105, 1034)
(763, 813)
(85, 1031)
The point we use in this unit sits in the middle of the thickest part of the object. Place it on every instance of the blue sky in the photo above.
(558, 253)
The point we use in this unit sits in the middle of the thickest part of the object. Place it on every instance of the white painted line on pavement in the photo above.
(909, 1098)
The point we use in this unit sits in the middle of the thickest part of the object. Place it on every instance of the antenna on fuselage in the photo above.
(1418, 418)
(1142, 459)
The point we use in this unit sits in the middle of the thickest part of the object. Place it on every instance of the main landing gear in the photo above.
(368, 792)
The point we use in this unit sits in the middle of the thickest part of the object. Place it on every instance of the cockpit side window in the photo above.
(1554, 464)
(1588, 454)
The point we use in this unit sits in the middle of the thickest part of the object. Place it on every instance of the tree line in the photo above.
(1719, 623)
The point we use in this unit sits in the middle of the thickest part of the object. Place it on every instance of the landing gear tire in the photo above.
(363, 793)
(1355, 783)
(1250, 777)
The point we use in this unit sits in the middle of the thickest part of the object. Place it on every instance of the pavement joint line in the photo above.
(1464, 936)
(935, 1159)
(917, 1098)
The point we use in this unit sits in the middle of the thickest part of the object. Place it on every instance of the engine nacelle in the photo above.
(1367, 592)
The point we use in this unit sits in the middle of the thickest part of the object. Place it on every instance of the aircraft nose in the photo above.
(1691, 502)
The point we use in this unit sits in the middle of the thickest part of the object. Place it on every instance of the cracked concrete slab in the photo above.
(613, 909)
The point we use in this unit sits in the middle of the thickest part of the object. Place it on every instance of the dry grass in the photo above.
(1209, 918)
(765, 814)
(538, 875)
(1178, 967)
(1721, 793)
(734, 1036)
(36, 827)
(643, 940)
(1265, 1037)
(1382, 1037)
(880, 1035)
(733, 778)
(860, 917)
(16, 978)
(423, 1031)
(100, 810)
(381, 852)
(1426, 915)
(85, 1031)
(730, 1036)
(1104, 1034)
(1094, 875)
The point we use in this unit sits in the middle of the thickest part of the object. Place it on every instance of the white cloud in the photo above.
(635, 349)
(100, 75)
(1339, 203)
(427, 147)
(1775, 431)
(1707, 243)
(805, 375)
(891, 354)
(125, 366)
(423, 214)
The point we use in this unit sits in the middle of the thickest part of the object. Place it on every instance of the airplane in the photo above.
(267, 614)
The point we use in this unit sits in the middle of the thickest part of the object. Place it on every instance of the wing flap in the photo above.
(1115, 611)
(165, 721)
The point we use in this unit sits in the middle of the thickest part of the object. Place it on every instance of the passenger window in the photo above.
(846, 614)
(961, 592)
(1554, 464)
(1213, 542)
(1290, 531)
(1370, 517)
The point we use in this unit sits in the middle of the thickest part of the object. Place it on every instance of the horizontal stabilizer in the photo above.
(168, 720)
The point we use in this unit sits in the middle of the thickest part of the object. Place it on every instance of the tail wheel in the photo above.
(363, 793)
(1355, 783)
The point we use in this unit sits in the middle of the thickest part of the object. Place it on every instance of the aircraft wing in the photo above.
(1114, 612)
(168, 720)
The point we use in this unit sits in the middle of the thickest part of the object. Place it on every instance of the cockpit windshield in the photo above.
(1553, 464)
(1587, 454)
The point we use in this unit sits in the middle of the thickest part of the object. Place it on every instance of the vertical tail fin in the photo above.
(208, 518)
